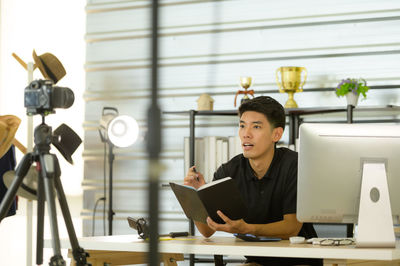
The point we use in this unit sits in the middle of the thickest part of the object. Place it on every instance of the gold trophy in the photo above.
(291, 82)
(245, 82)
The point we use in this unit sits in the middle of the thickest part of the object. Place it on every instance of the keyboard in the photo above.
(331, 241)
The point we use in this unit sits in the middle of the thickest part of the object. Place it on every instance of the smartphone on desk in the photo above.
(253, 238)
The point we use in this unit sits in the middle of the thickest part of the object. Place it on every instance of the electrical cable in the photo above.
(94, 213)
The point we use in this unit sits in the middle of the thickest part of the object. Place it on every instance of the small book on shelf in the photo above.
(221, 194)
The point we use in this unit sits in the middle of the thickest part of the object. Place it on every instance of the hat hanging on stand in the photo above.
(8, 127)
(49, 65)
(28, 188)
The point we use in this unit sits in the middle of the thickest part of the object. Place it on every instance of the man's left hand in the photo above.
(230, 226)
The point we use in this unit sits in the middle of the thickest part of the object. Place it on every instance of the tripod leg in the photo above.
(48, 167)
(20, 173)
(78, 253)
(40, 222)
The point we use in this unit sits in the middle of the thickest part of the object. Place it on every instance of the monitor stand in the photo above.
(375, 224)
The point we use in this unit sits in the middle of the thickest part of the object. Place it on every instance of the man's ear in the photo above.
(277, 134)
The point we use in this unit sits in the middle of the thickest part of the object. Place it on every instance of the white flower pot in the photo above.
(352, 99)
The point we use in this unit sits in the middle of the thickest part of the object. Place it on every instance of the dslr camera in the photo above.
(41, 97)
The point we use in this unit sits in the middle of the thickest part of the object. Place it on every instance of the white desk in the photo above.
(130, 244)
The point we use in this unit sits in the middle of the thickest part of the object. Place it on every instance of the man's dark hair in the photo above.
(273, 110)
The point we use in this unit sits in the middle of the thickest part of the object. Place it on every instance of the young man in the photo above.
(266, 177)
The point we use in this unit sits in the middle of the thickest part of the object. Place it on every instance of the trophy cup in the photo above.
(245, 82)
(291, 82)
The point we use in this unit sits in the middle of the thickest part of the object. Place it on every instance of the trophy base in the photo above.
(291, 104)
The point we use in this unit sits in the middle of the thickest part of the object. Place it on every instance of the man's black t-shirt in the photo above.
(270, 198)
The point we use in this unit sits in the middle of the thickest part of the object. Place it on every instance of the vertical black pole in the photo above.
(349, 227)
(350, 113)
(192, 140)
(110, 187)
(154, 143)
(292, 136)
(295, 127)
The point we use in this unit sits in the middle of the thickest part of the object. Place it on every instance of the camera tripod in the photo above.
(48, 182)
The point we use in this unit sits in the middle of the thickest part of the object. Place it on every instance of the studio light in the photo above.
(120, 131)
(123, 131)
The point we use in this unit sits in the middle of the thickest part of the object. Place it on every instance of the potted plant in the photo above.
(352, 88)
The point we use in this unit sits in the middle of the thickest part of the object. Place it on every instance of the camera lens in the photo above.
(62, 97)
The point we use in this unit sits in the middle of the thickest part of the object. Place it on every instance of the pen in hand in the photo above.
(197, 177)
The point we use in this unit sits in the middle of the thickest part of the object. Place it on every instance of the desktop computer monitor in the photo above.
(334, 159)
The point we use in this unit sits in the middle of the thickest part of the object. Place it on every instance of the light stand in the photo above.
(115, 130)
(111, 213)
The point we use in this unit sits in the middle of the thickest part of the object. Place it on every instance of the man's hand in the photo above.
(193, 178)
(230, 226)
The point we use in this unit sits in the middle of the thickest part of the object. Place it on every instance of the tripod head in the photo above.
(43, 137)
(63, 138)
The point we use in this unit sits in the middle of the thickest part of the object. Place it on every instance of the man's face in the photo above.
(257, 136)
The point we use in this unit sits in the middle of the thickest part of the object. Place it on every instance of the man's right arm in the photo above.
(204, 229)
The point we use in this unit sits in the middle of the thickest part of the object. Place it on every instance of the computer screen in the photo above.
(331, 160)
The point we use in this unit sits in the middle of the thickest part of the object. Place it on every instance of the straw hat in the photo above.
(49, 65)
(8, 127)
(28, 187)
